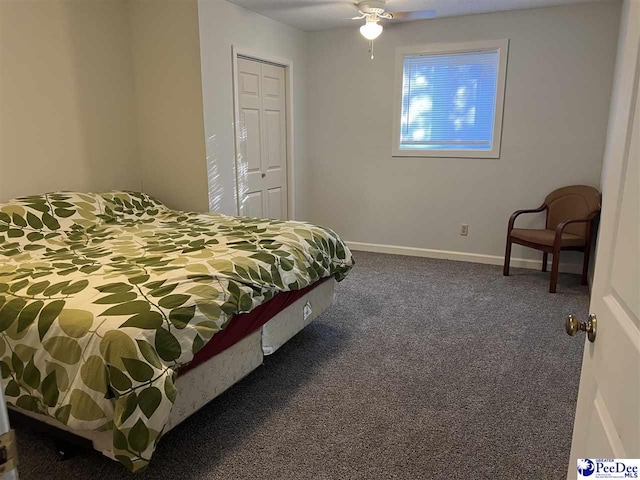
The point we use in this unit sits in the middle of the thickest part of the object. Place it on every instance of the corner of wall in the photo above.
(169, 103)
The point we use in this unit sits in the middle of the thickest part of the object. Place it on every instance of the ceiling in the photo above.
(313, 15)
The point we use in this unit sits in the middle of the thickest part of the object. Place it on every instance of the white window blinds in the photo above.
(449, 101)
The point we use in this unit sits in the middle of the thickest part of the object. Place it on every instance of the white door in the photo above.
(607, 420)
(262, 163)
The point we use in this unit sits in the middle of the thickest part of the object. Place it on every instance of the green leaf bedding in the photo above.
(104, 296)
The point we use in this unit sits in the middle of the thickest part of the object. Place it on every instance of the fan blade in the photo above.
(399, 17)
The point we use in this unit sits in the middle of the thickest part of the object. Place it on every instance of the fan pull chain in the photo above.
(371, 49)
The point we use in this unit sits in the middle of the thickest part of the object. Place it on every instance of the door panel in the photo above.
(611, 363)
(249, 168)
(252, 144)
(252, 205)
(603, 444)
(607, 420)
(625, 275)
(262, 164)
(274, 140)
(250, 84)
(272, 86)
(274, 202)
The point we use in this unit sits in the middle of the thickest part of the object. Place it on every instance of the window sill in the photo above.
(491, 154)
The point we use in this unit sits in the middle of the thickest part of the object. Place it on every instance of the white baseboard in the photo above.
(458, 256)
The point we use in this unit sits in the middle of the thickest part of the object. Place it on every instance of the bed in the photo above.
(119, 317)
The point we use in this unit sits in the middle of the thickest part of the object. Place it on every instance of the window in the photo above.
(449, 100)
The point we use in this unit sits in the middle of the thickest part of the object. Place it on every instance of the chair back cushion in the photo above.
(572, 203)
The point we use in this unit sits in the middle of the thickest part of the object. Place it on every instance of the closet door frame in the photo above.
(236, 52)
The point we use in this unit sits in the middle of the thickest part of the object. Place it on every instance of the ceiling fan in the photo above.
(373, 11)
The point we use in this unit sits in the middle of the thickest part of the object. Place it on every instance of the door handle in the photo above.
(572, 325)
(264, 174)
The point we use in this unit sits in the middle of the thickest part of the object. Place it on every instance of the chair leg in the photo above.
(555, 264)
(545, 258)
(585, 264)
(507, 258)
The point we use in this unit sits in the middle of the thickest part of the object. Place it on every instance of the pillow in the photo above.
(120, 205)
(50, 212)
(73, 210)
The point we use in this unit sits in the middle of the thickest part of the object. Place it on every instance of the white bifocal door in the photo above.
(262, 163)
(607, 420)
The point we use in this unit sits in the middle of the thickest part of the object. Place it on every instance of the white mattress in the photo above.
(199, 386)
(277, 331)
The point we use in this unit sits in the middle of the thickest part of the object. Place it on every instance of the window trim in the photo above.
(448, 48)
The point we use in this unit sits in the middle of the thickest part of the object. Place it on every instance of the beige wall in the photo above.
(108, 94)
(222, 25)
(168, 91)
(66, 97)
(558, 88)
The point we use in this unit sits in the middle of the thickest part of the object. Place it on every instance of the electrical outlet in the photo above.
(464, 229)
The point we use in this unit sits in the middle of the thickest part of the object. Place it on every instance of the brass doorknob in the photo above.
(573, 326)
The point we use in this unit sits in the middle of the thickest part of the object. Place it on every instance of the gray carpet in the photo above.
(423, 369)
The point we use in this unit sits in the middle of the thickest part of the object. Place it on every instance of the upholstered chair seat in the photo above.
(547, 237)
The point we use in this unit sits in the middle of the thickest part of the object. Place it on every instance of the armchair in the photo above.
(570, 214)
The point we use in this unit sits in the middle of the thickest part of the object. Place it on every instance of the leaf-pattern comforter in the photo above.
(104, 296)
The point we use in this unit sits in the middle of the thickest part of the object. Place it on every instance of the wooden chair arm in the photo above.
(517, 213)
(561, 226)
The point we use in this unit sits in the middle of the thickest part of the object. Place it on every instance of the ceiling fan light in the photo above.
(371, 30)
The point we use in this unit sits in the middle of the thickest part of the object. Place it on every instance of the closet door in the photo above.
(262, 164)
